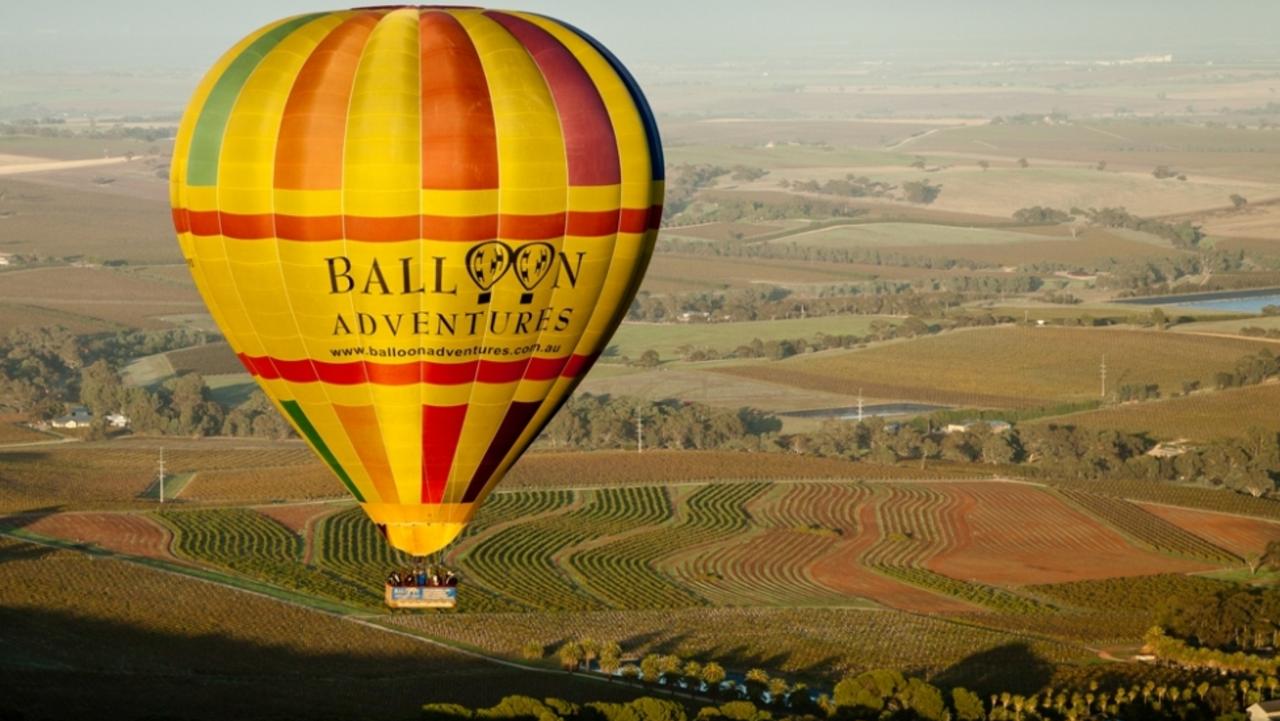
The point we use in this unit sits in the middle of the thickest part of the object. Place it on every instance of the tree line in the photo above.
(885, 694)
(1246, 465)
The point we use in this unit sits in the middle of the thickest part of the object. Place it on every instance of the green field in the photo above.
(633, 339)
(1007, 367)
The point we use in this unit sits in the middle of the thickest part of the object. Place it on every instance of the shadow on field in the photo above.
(1013, 667)
(72, 665)
(18, 521)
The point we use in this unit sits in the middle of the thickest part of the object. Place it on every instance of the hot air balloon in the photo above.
(417, 227)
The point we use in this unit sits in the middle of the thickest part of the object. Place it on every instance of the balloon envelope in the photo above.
(418, 228)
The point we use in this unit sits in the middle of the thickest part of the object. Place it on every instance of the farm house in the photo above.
(78, 417)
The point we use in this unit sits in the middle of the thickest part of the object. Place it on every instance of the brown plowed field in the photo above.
(1011, 534)
(1234, 533)
(130, 533)
(841, 570)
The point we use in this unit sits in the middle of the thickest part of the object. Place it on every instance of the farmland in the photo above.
(1036, 366)
(1200, 417)
(65, 616)
(872, 548)
(633, 339)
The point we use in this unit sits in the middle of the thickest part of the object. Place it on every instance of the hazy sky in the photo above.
(83, 34)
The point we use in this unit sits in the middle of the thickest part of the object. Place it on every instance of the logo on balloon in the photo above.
(532, 263)
(487, 262)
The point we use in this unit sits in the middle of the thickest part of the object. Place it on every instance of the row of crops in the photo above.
(911, 531)
(249, 543)
(646, 547)
(1148, 528)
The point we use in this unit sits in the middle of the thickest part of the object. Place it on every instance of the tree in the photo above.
(649, 359)
(1102, 165)
(651, 667)
(532, 650)
(713, 674)
(968, 705)
(921, 191)
(1022, 163)
(100, 388)
(1238, 200)
(984, 164)
(571, 655)
(757, 680)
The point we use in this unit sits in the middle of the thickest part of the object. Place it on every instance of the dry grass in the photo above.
(1202, 416)
(59, 221)
(1007, 366)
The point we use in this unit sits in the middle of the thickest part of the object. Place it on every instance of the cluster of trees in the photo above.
(888, 694)
(1163, 172)
(794, 251)
(1183, 234)
(850, 186)
(600, 421)
(1160, 276)
(1040, 215)
(180, 406)
(1234, 619)
(44, 369)
(920, 191)
(58, 129)
(40, 368)
(728, 208)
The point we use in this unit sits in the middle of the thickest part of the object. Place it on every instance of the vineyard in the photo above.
(816, 642)
(806, 576)
(1148, 528)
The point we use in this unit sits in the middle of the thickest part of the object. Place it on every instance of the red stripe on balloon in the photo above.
(513, 424)
(441, 429)
(590, 224)
(398, 374)
(591, 150)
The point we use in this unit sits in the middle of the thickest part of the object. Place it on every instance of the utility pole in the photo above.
(639, 430)
(1104, 377)
(162, 474)
(859, 405)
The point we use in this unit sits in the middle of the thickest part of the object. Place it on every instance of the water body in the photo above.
(848, 413)
(1243, 301)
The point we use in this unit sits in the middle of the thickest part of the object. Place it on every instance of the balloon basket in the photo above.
(422, 596)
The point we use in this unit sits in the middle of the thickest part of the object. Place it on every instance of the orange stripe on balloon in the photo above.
(361, 426)
(399, 374)
(209, 223)
(309, 149)
(459, 143)
(441, 429)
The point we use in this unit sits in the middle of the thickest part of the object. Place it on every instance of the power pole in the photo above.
(859, 405)
(161, 474)
(1104, 377)
(639, 430)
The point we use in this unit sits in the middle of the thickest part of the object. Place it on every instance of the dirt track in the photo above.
(47, 165)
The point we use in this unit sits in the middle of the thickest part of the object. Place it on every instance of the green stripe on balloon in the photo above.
(308, 430)
(206, 140)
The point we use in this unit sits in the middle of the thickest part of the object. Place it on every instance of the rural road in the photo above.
(46, 165)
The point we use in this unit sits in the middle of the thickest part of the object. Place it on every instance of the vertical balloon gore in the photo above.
(418, 227)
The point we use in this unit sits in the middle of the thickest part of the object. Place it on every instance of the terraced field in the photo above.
(1150, 529)
(251, 544)
(623, 571)
(969, 548)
